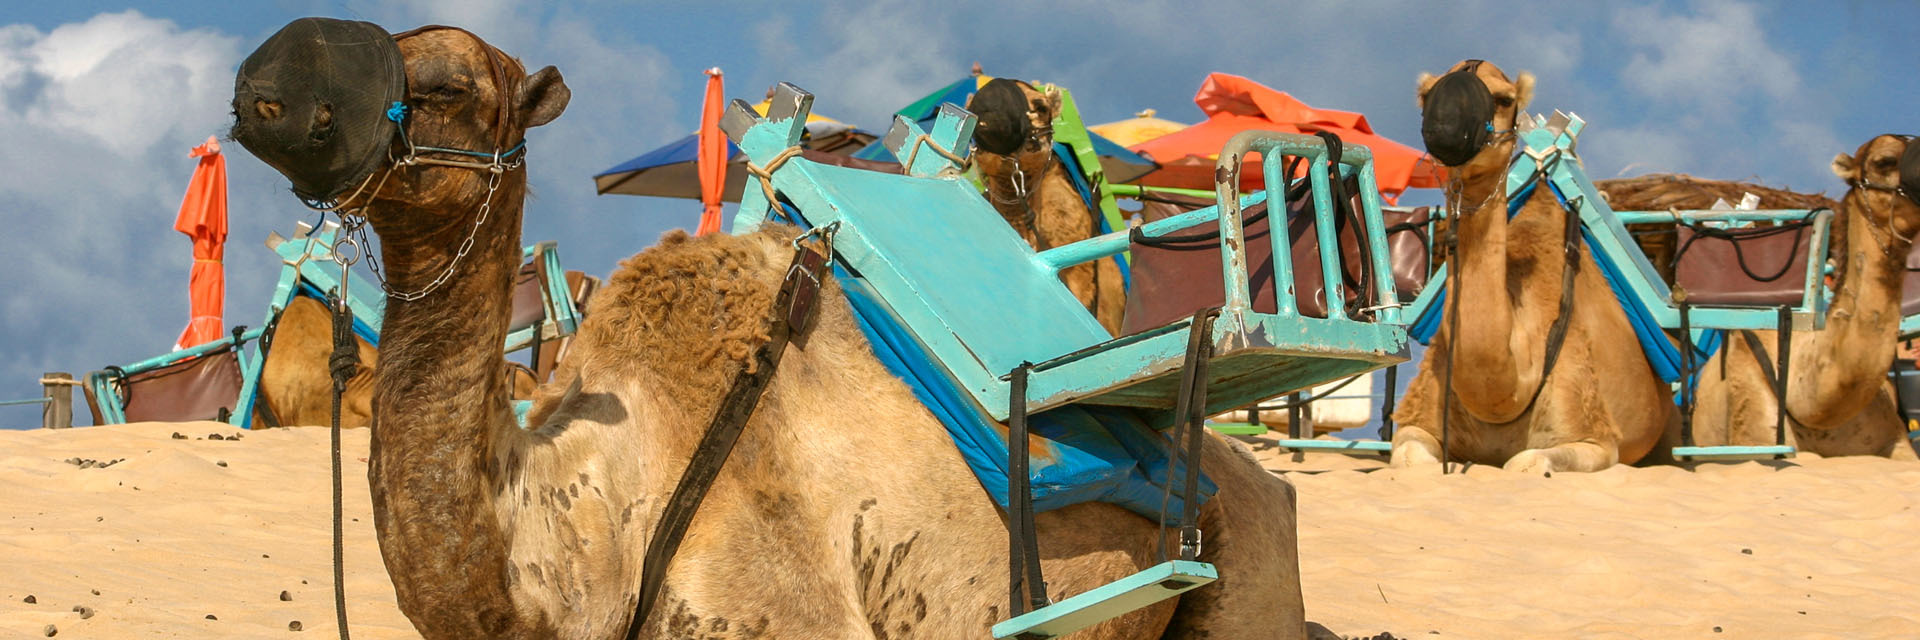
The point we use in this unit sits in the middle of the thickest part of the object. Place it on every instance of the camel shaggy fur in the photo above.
(844, 512)
(1602, 403)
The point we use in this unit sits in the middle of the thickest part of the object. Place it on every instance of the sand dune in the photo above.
(1812, 548)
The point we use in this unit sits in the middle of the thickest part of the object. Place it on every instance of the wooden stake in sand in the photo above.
(57, 412)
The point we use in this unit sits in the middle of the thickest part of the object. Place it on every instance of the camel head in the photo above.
(1015, 121)
(1884, 180)
(1467, 115)
(353, 116)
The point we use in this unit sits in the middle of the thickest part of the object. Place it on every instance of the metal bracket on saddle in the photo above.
(939, 153)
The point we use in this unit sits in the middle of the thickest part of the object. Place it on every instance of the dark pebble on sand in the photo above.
(293, 626)
(210, 617)
(215, 436)
(178, 436)
(1716, 629)
(286, 597)
(50, 631)
(97, 591)
(221, 463)
(30, 600)
(1747, 551)
(84, 611)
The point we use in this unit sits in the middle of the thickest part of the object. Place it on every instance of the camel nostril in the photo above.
(322, 127)
(267, 109)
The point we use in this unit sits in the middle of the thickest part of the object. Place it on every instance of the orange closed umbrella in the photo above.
(203, 217)
(712, 155)
(1234, 104)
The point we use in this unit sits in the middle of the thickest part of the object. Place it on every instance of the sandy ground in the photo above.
(156, 543)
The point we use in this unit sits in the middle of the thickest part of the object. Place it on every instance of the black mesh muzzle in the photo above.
(1002, 109)
(1910, 171)
(333, 82)
(1457, 117)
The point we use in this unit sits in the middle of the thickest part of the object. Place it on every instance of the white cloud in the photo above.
(98, 117)
(1712, 57)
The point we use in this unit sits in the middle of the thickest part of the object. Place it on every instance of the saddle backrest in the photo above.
(1172, 281)
(1759, 266)
(201, 388)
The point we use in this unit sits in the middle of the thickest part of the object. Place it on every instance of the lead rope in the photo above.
(343, 364)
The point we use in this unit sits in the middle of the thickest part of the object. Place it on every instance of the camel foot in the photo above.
(1407, 455)
(1531, 462)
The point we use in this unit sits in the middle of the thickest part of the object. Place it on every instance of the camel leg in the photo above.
(1572, 456)
(1249, 533)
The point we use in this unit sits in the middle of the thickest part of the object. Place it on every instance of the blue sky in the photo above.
(99, 103)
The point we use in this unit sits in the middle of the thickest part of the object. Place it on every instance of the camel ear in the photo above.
(1522, 91)
(1053, 101)
(542, 97)
(1422, 85)
(1843, 166)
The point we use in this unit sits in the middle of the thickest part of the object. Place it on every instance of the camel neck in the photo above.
(440, 409)
(1848, 359)
(1497, 343)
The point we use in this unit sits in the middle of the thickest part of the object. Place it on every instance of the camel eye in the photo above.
(1504, 101)
(1884, 163)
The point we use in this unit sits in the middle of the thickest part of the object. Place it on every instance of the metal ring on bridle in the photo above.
(340, 257)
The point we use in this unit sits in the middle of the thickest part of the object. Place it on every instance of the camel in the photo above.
(844, 511)
(1602, 403)
(1032, 191)
(296, 388)
(1838, 399)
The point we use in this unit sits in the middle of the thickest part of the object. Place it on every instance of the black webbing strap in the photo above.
(1557, 334)
(1023, 543)
(796, 294)
(1688, 387)
(1779, 382)
(1191, 411)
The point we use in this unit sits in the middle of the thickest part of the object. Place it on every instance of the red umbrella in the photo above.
(712, 154)
(203, 217)
(1234, 104)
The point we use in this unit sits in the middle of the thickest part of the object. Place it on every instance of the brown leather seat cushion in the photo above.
(1721, 271)
(1170, 282)
(197, 389)
(529, 302)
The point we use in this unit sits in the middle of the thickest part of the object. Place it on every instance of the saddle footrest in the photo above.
(1155, 583)
(1339, 446)
(1769, 452)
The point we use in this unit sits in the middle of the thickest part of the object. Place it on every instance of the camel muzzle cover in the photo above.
(1002, 109)
(1910, 171)
(312, 103)
(1457, 118)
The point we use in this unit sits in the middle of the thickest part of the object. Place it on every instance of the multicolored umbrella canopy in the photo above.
(672, 171)
(1143, 126)
(203, 217)
(1234, 104)
(1119, 163)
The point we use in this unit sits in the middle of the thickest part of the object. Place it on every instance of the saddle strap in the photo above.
(798, 293)
(1776, 383)
(1557, 334)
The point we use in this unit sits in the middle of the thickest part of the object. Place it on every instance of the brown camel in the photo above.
(844, 512)
(1602, 403)
(297, 389)
(1838, 399)
(1030, 188)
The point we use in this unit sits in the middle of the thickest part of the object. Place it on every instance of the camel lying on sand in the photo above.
(845, 512)
(1602, 403)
